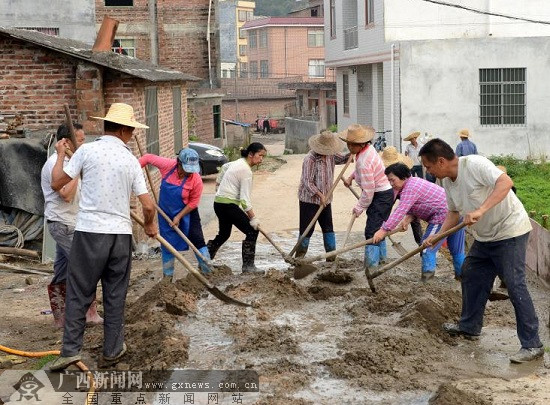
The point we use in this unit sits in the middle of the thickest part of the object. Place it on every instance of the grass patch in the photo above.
(531, 181)
(42, 361)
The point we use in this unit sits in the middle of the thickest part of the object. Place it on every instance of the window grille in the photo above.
(502, 96)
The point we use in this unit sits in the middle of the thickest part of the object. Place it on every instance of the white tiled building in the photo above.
(407, 65)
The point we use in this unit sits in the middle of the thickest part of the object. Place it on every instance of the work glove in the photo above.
(255, 223)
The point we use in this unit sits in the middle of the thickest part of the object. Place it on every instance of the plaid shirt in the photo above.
(318, 176)
(422, 199)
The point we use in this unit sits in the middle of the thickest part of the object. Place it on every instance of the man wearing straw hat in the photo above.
(315, 183)
(102, 243)
(376, 192)
(412, 152)
(465, 147)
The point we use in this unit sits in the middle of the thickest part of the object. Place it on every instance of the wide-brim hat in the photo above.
(189, 159)
(357, 133)
(412, 135)
(464, 133)
(122, 114)
(390, 155)
(325, 143)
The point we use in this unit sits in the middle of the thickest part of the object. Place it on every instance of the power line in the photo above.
(474, 10)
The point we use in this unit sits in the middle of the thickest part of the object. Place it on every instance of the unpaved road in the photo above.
(311, 341)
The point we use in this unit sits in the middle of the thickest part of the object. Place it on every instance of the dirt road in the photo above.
(311, 341)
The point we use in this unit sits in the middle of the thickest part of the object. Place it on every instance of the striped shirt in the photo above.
(369, 175)
(422, 199)
(318, 176)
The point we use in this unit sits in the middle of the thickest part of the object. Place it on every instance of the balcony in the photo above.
(350, 38)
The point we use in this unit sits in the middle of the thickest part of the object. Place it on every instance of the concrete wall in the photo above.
(419, 20)
(298, 132)
(75, 19)
(440, 91)
(228, 30)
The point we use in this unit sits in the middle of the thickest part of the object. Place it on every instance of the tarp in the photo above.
(21, 161)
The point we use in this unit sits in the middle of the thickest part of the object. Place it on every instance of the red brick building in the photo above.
(181, 35)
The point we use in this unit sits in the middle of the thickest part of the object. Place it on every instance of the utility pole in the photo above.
(236, 97)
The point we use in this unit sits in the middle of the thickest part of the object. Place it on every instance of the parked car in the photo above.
(211, 158)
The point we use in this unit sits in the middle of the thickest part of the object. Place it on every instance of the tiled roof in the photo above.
(81, 50)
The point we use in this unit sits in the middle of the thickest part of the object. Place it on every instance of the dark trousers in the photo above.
(308, 211)
(94, 257)
(229, 215)
(378, 211)
(485, 261)
(416, 170)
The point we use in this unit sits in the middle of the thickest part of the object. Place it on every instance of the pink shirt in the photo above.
(192, 189)
(369, 175)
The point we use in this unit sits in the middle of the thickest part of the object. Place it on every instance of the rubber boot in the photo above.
(458, 259)
(202, 264)
(329, 240)
(248, 255)
(429, 263)
(212, 249)
(92, 317)
(302, 247)
(56, 293)
(383, 251)
(372, 256)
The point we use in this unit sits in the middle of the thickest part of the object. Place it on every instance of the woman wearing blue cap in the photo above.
(180, 194)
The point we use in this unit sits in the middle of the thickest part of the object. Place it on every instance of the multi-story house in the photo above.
(405, 65)
(233, 14)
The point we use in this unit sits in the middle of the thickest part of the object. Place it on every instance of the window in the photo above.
(242, 50)
(243, 15)
(242, 34)
(217, 117)
(124, 46)
(316, 68)
(254, 70)
(152, 120)
(119, 3)
(252, 39)
(263, 39)
(369, 12)
(315, 38)
(333, 18)
(345, 93)
(244, 69)
(43, 30)
(502, 96)
(264, 69)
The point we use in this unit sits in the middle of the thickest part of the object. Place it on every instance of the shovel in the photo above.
(168, 219)
(286, 258)
(321, 207)
(419, 249)
(396, 245)
(216, 292)
(304, 267)
(348, 231)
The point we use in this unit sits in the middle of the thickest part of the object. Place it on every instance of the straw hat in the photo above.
(412, 135)
(356, 133)
(325, 143)
(122, 114)
(464, 133)
(390, 156)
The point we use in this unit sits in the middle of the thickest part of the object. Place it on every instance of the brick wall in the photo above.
(35, 83)
(202, 121)
(249, 110)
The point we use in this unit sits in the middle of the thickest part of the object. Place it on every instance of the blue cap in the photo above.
(189, 159)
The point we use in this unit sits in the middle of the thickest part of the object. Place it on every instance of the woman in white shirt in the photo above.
(232, 204)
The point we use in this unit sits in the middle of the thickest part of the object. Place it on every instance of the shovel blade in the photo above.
(303, 270)
(399, 248)
(216, 292)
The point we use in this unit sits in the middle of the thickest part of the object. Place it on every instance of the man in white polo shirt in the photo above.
(482, 194)
(102, 248)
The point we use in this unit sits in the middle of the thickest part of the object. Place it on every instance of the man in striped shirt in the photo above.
(425, 200)
(376, 192)
(315, 183)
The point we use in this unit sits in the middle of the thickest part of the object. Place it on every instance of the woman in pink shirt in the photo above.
(180, 194)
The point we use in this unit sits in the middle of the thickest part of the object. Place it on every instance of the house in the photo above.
(175, 34)
(314, 8)
(41, 73)
(413, 65)
(233, 14)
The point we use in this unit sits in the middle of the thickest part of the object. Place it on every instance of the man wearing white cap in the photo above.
(315, 183)
(102, 243)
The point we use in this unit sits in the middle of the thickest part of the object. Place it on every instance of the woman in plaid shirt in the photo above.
(315, 183)
(425, 200)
